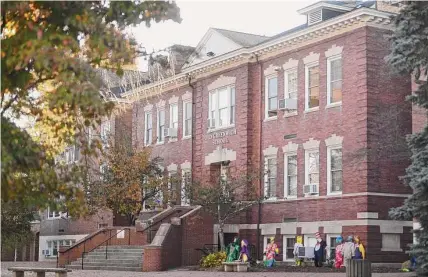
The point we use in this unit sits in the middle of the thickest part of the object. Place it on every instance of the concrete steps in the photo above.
(119, 258)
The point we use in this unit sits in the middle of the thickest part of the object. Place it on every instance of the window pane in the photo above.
(336, 70)
(313, 85)
(336, 91)
(336, 159)
(272, 87)
(223, 117)
(314, 97)
(314, 162)
(292, 185)
(232, 114)
(272, 187)
(336, 180)
(272, 167)
(273, 103)
(222, 98)
(188, 111)
(292, 165)
(161, 117)
(313, 76)
(213, 101)
(232, 96)
(188, 127)
(174, 114)
(314, 178)
(292, 84)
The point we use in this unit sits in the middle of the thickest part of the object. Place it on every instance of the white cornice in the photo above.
(366, 16)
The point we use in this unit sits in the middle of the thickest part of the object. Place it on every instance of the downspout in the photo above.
(259, 215)
(189, 78)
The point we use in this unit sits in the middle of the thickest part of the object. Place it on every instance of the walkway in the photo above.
(181, 273)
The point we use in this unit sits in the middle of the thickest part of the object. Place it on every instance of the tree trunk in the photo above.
(16, 255)
(221, 237)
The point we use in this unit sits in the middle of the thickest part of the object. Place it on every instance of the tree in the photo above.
(16, 227)
(50, 50)
(224, 198)
(129, 180)
(410, 56)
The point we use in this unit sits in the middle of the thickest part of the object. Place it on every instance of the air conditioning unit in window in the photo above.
(211, 123)
(287, 104)
(46, 252)
(170, 132)
(310, 189)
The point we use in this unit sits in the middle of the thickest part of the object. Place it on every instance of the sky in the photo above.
(257, 17)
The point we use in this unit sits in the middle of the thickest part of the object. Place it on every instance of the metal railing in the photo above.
(106, 242)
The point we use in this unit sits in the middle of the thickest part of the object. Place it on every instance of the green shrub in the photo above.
(213, 260)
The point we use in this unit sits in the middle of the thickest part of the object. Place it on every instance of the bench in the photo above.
(235, 266)
(19, 271)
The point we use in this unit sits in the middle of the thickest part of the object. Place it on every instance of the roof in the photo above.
(243, 39)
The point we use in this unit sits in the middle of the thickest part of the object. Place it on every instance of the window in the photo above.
(103, 172)
(391, 242)
(161, 126)
(331, 245)
(222, 107)
(312, 169)
(102, 225)
(289, 242)
(270, 183)
(334, 165)
(186, 181)
(312, 86)
(173, 116)
(334, 80)
(148, 129)
(271, 96)
(291, 175)
(71, 154)
(53, 246)
(187, 119)
(172, 187)
(291, 84)
(105, 131)
(53, 214)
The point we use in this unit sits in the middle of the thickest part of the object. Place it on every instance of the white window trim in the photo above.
(145, 128)
(170, 120)
(217, 112)
(189, 101)
(56, 214)
(265, 238)
(266, 177)
(184, 200)
(286, 96)
(329, 148)
(328, 237)
(307, 152)
(329, 60)
(267, 78)
(286, 155)
(158, 126)
(284, 247)
(307, 66)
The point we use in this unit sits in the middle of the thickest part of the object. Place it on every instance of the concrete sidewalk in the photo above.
(181, 273)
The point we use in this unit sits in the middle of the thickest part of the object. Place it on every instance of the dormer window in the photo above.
(324, 10)
(314, 17)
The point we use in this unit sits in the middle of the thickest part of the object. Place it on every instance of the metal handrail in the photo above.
(105, 241)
